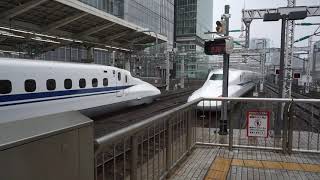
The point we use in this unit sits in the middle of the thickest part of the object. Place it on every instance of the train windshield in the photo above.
(216, 77)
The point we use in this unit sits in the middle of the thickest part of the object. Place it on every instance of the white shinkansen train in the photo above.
(240, 83)
(30, 88)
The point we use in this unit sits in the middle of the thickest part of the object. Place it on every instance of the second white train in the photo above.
(240, 83)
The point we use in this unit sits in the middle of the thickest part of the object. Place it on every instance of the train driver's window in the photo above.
(5, 87)
(30, 85)
(126, 79)
(82, 83)
(105, 82)
(119, 76)
(94, 82)
(51, 84)
(216, 77)
(67, 83)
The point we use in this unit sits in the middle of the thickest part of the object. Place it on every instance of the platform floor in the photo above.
(242, 164)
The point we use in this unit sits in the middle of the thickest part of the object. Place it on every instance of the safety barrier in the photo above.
(151, 148)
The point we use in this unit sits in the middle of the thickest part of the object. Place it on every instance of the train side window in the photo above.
(114, 72)
(51, 84)
(126, 78)
(67, 83)
(94, 82)
(5, 87)
(119, 76)
(82, 83)
(30, 85)
(105, 82)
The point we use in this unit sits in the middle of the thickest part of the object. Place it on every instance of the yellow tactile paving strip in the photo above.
(220, 167)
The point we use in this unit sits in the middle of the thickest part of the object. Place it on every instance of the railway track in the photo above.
(116, 120)
(306, 113)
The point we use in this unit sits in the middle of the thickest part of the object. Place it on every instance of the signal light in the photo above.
(220, 27)
(218, 46)
(296, 75)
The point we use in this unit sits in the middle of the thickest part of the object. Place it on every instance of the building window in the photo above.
(94, 82)
(119, 76)
(30, 85)
(51, 84)
(5, 87)
(67, 84)
(105, 82)
(82, 83)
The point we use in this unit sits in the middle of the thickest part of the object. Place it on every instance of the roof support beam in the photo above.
(140, 39)
(63, 22)
(11, 13)
(116, 36)
(136, 40)
(95, 29)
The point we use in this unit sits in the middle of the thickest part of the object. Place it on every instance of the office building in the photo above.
(194, 18)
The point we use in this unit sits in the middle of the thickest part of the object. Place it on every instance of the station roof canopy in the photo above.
(55, 23)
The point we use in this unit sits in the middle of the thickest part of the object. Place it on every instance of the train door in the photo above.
(119, 84)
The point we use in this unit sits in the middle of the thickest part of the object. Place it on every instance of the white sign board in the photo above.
(258, 123)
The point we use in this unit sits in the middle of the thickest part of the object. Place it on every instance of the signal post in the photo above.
(222, 46)
(224, 117)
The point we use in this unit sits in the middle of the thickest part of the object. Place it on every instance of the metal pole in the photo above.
(308, 66)
(156, 44)
(175, 24)
(168, 71)
(263, 62)
(281, 78)
(247, 23)
(168, 145)
(134, 157)
(224, 118)
(182, 68)
(113, 58)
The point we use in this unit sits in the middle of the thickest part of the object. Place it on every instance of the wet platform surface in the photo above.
(243, 164)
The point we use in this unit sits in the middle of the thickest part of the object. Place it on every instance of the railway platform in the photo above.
(220, 163)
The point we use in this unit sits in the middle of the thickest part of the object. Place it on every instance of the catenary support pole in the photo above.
(278, 121)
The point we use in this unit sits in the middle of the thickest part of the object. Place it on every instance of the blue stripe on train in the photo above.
(31, 96)
(44, 100)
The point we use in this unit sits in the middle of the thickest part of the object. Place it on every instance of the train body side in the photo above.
(94, 89)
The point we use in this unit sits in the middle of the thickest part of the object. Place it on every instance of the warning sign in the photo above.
(258, 123)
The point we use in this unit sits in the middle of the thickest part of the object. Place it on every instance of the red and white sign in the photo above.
(258, 123)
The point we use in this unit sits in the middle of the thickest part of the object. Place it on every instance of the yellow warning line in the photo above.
(220, 167)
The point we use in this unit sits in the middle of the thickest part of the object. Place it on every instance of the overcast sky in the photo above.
(260, 29)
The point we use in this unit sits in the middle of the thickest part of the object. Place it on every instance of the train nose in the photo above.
(152, 90)
(156, 91)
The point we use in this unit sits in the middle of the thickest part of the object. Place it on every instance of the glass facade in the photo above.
(154, 15)
(194, 17)
(186, 17)
(114, 7)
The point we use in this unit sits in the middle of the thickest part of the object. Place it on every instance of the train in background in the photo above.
(30, 88)
(240, 83)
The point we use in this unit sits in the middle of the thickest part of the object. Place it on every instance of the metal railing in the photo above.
(151, 148)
